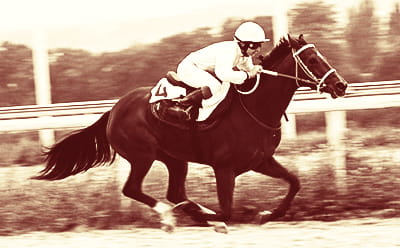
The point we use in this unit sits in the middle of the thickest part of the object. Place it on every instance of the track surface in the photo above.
(361, 233)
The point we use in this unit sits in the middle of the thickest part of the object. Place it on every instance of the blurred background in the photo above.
(99, 51)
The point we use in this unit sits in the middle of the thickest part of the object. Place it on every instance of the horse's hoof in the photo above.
(263, 217)
(169, 228)
(219, 227)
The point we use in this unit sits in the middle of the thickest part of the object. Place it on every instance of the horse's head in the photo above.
(314, 65)
(311, 69)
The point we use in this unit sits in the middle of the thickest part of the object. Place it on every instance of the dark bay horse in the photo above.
(245, 138)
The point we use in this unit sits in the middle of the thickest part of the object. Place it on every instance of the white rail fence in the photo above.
(370, 95)
(79, 114)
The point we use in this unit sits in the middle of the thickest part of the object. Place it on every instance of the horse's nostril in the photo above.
(341, 85)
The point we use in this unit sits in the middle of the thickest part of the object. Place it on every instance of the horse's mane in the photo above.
(277, 53)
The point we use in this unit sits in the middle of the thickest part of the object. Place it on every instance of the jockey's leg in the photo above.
(188, 107)
(196, 77)
(196, 97)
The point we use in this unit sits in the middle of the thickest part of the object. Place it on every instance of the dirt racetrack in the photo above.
(360, 233)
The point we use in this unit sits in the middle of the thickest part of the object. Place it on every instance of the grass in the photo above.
(94, 199)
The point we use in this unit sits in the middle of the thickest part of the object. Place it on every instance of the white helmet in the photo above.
(250, 32)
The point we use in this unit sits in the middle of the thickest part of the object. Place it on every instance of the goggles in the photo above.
(255, 45)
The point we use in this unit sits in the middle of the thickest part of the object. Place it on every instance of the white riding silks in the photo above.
(166, 90)
(209, 105)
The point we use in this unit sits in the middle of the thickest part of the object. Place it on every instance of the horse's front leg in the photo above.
(225, 180)
(271, 167)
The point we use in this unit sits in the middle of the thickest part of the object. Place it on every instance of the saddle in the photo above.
(163, 109)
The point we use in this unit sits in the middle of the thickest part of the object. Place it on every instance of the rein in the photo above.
(299, 63)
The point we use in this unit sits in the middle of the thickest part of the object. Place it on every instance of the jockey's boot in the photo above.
(195, 97)
(186, 106)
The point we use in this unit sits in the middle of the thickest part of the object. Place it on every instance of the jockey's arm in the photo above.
(248, 66)
(224, 71)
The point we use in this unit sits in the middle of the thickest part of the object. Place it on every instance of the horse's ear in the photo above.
(302, 40)
(292, 42)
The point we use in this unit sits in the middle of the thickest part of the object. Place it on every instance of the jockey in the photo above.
(221, 63)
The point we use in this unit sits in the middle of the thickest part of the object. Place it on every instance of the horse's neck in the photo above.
(269, 102)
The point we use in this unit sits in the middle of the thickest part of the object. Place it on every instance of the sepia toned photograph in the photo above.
(221, 123)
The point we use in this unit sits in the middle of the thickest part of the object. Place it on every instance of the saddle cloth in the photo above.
(164, 90)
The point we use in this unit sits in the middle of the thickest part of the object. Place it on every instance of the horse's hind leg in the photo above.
(133, 186)
(133, 189)
(272, 168)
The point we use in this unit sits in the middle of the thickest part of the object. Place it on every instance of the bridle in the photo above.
(319, 83)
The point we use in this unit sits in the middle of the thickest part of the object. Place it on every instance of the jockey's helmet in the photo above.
(249, 35)
(250, 32)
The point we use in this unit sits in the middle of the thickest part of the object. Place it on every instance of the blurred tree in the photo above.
(314, 19)
(228, 28)
(80, 76)
(69, 77)
(16, 75)
(362, 35)
(389, 65)
(394, 24)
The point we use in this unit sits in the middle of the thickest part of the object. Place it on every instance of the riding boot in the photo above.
(189, 104)
(195, 97)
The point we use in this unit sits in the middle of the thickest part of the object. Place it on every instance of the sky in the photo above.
(110, 25)
(24, 13)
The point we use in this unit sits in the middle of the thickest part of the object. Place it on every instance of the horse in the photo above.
(244, 137)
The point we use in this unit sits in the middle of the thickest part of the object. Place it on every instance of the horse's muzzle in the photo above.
(336, 90)
(340, 88)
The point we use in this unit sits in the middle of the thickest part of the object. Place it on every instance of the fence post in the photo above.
(335, 133)
(42, 81)
(280, 20)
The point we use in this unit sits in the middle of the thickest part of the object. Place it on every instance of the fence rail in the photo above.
(78, 114)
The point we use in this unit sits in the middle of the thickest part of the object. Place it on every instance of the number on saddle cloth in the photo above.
(170, 87)
(165, 90)
(165, 108)
(164, 105)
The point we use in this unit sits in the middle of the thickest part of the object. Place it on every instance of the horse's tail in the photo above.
(78, 152)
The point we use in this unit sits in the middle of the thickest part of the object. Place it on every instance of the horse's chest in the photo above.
(266, 141)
